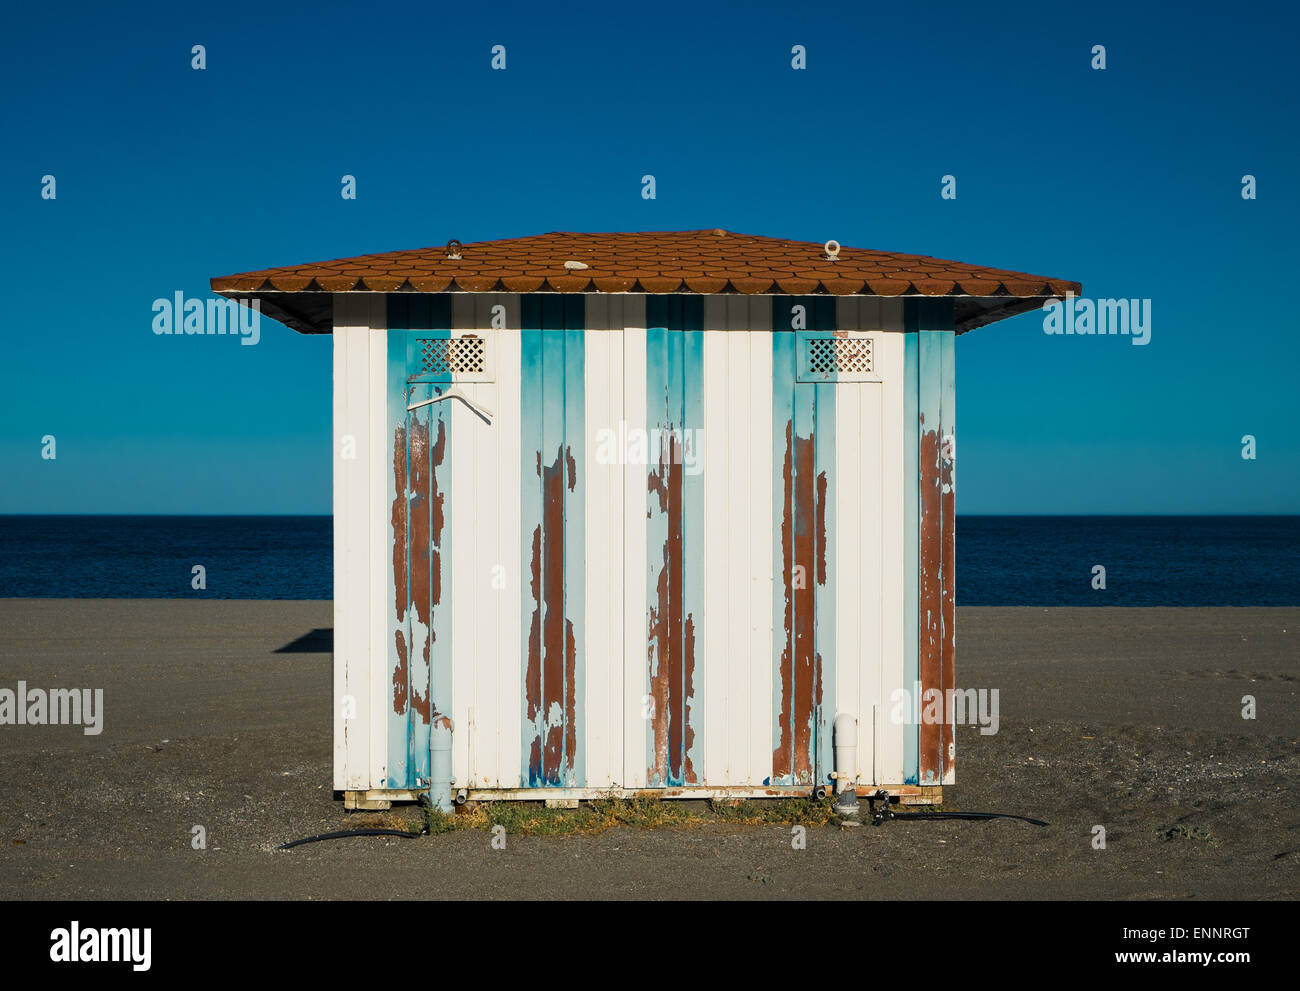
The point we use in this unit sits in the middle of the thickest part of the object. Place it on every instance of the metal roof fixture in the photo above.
(453, 249)
(832, 249)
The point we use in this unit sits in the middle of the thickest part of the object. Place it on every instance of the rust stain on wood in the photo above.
(671, 634)
(807, 666)
(551, 677)
(401, 673)
(781, 753)
(931, 605)
(428, 523)
(533, 672)
(803, 548)
(948, 591)
(553, 615)
(821, 528)
(418, 522)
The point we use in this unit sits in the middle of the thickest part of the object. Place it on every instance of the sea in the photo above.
(1001, 560)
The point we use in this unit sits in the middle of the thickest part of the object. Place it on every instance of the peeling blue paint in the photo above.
(803, 546)
(410, 319)
(553, 472)
(674, 537)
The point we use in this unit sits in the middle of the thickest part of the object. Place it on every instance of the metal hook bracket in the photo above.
(455, 393)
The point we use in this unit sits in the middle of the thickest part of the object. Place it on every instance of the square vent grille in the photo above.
(453, 356)
(824, 358)
(837, 356)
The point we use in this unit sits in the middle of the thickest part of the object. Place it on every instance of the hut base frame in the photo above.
(383, 798)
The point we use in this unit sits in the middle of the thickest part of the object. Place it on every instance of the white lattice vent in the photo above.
(827, 358)
(447, 356)
(838, 356)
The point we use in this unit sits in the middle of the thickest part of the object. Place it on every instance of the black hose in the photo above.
(963, 815)
(347, 832)
(886, 813)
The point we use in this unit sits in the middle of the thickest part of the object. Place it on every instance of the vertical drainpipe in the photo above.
(846, 764)
(440, 764)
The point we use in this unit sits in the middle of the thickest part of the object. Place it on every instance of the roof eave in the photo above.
(313, 312)
(979, 311)
(305, 312)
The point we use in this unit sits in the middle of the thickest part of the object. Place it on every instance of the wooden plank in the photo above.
(397, 574)
(573, 762)
(738, 671)
(603, 510)
(857, 560)
(694, 534)
(349, 511)
(354, 800)
(485, 759)
(893, 489)
(948, 547)
(930, 605)
(469, 651)
(636, 755)
(556, 541)
(530, 502)
(826, 484)
(513, 575)
(674, 356)
(782, 771)
(906, 794)
(932, 316)
(911, 549)
(755, 666)
(432, 683)
(719, 512)
(372, 703)
(661, 412)
(614, 538)
(473, 513)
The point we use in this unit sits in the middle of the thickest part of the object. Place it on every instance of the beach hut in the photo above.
(666, 513)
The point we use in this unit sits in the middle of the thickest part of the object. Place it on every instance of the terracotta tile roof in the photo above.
(706, 261)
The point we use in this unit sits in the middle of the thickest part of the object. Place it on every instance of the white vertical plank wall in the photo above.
(734, 691)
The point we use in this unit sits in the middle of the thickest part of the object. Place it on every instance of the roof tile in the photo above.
(702, 261)
(430, 283)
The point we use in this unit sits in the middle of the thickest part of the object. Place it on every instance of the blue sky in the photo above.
(1126, 179)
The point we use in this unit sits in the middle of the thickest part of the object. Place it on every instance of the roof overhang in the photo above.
(313, 312)
(699, 263)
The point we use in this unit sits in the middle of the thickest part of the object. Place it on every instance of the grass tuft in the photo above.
(535, 819)
(1182, 831)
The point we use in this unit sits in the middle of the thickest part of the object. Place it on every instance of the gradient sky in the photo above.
(1127, 180)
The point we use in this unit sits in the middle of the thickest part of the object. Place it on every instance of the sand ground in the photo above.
(1126, 718)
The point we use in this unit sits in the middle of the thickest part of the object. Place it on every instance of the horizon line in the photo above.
(1006, 515)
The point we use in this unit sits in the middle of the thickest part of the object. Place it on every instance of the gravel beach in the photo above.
(216, 713)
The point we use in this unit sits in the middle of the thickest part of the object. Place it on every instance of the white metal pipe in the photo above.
(846, 765)
(440, 764)
(846, 752)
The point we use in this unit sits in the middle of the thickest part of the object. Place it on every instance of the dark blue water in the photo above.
(1001, 560)
(1149, 560)
(152, 557)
